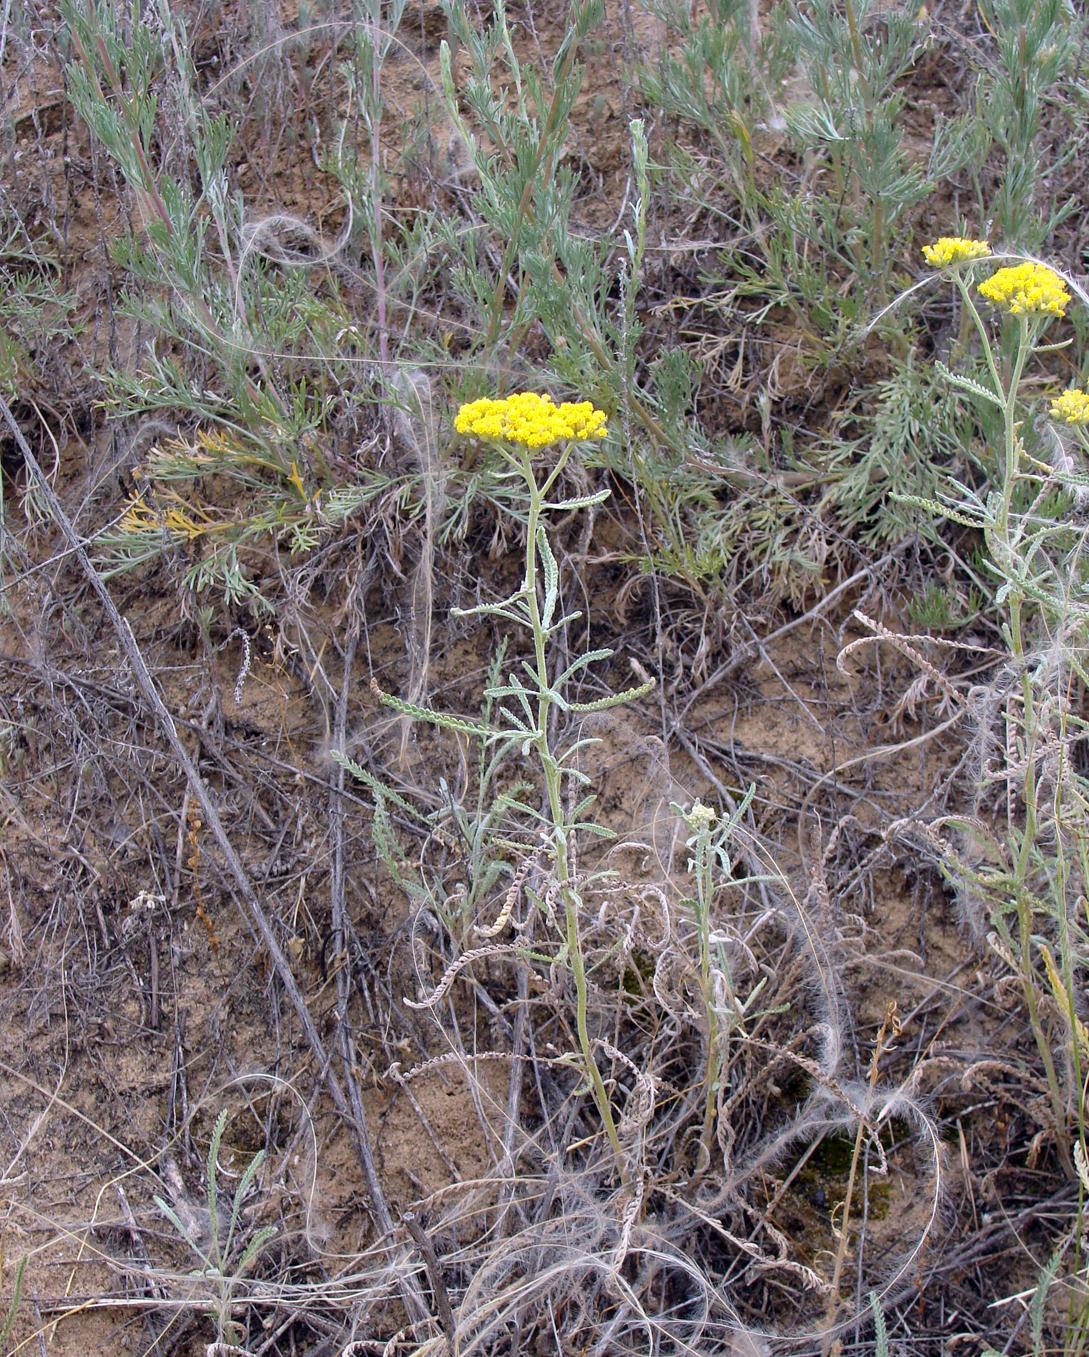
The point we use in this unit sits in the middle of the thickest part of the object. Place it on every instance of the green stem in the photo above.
(1011, 460)
(1002, 548)
(985, 339)
(553, 787)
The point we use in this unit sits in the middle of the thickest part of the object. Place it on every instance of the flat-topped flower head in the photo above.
(533, 420)
(1027, 290)
(699, 817)
(1072, 407)
(954, 250)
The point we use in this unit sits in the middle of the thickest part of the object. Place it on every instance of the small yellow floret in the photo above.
(138, 518)
(954, 250)
(1027, 289)
(533, 420)
(1072, 407)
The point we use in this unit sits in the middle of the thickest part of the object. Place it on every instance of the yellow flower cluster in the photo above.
(533, 420)
(1027, 289)
(1072, 407)
(954, 250)
(139, 518)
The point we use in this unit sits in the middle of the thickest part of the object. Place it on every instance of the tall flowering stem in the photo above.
(552, 773)
(523, 427)
(710, 835)
(700, 820)
(1032, 294)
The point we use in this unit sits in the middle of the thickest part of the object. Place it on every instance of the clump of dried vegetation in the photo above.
(619, 897)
